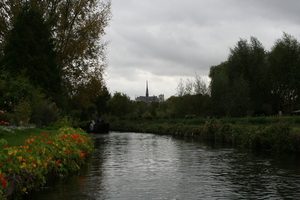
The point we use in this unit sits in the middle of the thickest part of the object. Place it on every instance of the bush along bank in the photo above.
(279, 136)
(24, 168)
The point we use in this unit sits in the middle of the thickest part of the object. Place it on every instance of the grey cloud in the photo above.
(168, 39)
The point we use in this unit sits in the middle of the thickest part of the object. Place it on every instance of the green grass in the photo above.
(17, 137)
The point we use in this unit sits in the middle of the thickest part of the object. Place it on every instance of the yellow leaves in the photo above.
(10, 152)
(20, 158)
(39, 162)
(23, 165)
(25, 190)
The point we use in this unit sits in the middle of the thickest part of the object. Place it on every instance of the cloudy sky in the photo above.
(163, 41)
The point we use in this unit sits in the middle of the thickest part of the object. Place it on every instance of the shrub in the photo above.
(210, 129)
(25, 167)
(224, 133)
(280, 136)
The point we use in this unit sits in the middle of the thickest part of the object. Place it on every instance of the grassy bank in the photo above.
(276, 134)
(28, 156)
(17, 136)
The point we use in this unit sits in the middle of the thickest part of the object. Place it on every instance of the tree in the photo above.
(239, 98)
(29, 52)
(284, 61)
(90, 99)
(247, 64)
(77, 28)
(220, 90)
(192, 86)
(180, 88)
(200, 86)
(120, 105)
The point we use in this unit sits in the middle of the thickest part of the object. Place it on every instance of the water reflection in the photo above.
(148, 166)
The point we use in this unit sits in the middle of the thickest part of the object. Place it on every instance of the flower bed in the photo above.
(23, 168)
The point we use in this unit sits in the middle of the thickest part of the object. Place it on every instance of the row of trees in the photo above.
(52, 59)
(255, 81)
(252, 82)
(52, 56)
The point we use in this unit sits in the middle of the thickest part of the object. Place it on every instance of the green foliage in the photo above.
(30, 51)
(224, 134)
(61, 123)
(189, 105)
(120, 105)
(25, 167)
(47, 114)
(284, 60)
(280, 136)
(211, 128)
(275, 135)
(23, 112)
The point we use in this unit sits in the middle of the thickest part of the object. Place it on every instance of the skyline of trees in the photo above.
(251, 82)
(53, 52)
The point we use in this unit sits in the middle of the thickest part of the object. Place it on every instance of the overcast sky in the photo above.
(164, 40)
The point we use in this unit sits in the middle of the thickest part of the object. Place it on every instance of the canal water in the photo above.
(148, 166)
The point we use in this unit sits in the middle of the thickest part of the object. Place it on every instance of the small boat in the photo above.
(101, 128)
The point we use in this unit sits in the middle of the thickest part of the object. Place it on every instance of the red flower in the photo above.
(50, 142)
(7, 159)
(58, 161)
(44, 133)
(0, 164)
(6, 146)
(4, 182)
(29, 151)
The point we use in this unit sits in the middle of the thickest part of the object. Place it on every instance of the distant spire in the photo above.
(147, 93)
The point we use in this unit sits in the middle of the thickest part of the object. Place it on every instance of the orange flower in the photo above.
(82, 155)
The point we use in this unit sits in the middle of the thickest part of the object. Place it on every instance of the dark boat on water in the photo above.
(97, 127)
(101, 128)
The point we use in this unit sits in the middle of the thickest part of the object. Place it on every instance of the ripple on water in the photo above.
(148, 166)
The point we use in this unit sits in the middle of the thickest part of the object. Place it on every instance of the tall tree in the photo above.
(29, 52)
(247, 61)
(284, 61)
(77, 28)
(220, 90)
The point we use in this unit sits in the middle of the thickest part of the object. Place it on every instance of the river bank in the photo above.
(41, 156)
(281, 135)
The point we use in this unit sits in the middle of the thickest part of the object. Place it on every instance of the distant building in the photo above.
(148, 98)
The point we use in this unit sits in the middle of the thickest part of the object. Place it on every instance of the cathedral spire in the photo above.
(147, 93)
